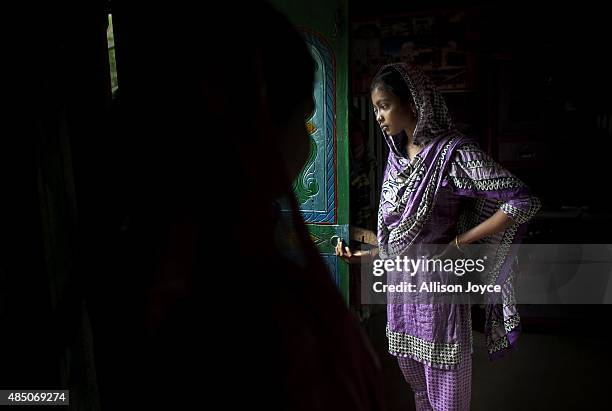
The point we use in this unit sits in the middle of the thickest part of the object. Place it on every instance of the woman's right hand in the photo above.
(353, 257)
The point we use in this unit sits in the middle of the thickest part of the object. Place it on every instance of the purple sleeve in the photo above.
(473, 173)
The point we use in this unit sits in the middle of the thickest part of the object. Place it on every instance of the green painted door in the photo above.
(322, 188)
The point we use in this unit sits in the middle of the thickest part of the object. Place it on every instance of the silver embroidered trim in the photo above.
(499, 183)
(436, 353)
(519, 215)
(510, 323)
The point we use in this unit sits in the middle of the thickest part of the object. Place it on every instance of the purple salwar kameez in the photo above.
(449, 187)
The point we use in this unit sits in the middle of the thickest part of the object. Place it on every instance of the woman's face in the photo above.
(391, 113)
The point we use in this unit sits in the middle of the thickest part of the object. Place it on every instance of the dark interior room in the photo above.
(195, 199)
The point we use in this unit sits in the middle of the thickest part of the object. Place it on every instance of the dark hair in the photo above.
(282, 47)
(390, 80)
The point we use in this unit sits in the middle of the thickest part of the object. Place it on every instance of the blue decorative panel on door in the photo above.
(332, 263)
(315, 187)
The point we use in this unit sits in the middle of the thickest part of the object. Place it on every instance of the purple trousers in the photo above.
(438, 389)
